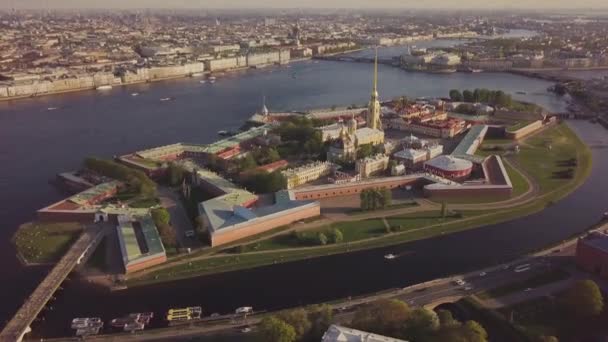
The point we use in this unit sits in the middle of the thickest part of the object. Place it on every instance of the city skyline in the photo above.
(358, 4)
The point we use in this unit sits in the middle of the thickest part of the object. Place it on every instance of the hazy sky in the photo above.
(509, 4)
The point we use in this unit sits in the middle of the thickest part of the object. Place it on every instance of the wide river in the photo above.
(36, 144)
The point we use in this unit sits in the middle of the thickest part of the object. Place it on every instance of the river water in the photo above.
(36, 144)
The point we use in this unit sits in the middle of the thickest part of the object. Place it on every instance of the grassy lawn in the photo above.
(545, 155)
(144, 202)
(392, 207)
(520, 185)
(354, 231)
(39, 242)
(532, 282)
(498, 141)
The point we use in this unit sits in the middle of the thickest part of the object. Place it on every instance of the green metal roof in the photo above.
(135, 250)
(84, 197)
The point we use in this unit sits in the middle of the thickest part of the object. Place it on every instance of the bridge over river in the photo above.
(80, 251)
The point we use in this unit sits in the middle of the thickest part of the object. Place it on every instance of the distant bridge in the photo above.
(344, 58)
(80, 251)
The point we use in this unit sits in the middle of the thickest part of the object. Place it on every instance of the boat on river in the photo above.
(51, 108)
(104, 87)
(390, 256)
(122, 321)
(184, 314)
(166, 99)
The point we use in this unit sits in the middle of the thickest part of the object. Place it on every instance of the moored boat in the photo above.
(184, 314)
(390, 256)
(104, 87)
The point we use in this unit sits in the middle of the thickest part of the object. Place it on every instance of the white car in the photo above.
(467, 288)
(246, 330)
(482, 274)
(459, 282)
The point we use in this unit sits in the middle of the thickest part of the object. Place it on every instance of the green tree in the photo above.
(364, 197)
(364, 151)
(322, 238)
(298, 319)
(484, 95)
(272, 329)
(384, 316)
(386, 197)
(446, 320)
(272, 155)
(455, 95)
(336, 236)
(264, 182)
(476, 95)
(474, 332)
(247, 163)
(161, 216)
(320, 317)
(175, 174)
(467, 96)
(421, 324)
(583, 299)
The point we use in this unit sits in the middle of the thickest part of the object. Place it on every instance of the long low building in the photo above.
(226, 223)
(80, 207)
(352, 188)
(592, 254)
(232, 215)
(152, 161)
(140, 243)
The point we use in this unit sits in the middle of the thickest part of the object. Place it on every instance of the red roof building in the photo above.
(592, 254)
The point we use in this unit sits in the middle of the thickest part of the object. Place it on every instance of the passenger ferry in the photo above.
(184, 314)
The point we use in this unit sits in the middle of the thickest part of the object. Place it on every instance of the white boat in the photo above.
(51, 108)
(133, 326)
(134, 94)
(104, 87)
(197, 74)
(390, 256)
(202, 81)
(166, 99)
(222, 133)
(88, 331)
(212, 79)
(244, 310)
(606, 214)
